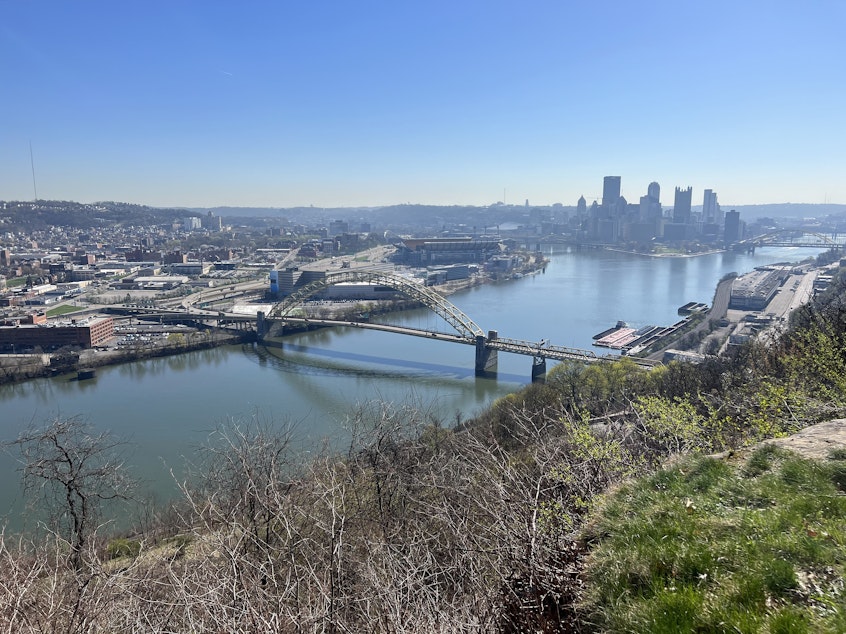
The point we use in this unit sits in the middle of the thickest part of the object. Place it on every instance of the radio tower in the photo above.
(32, 164)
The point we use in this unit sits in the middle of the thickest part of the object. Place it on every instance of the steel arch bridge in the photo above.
(775, 238)
(465, 326)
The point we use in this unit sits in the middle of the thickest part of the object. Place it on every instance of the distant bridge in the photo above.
(467, 331)
(787, 238)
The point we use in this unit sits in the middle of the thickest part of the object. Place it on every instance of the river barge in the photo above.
(605, 333)
(692, 307)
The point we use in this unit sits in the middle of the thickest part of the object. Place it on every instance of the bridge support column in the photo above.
(261, 325)
(486, 360)
(539, 370)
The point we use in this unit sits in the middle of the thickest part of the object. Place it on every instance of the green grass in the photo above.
(705, 546)
(14, 282)
(63, 310)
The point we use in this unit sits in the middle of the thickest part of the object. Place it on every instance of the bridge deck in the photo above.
(540, 350)
(514, 346)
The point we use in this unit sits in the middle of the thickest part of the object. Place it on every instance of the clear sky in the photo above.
(358, 102)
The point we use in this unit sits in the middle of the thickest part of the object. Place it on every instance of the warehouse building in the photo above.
(77, 333)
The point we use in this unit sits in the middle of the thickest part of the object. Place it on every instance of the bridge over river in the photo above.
(808, 238)
(486, 343)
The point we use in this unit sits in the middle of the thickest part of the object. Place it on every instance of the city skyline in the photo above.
(196, 104)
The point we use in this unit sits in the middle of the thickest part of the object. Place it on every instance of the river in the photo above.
(165, 408)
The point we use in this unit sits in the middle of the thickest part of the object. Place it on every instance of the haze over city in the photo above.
(377, 103)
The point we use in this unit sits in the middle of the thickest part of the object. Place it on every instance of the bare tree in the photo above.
(75, 469)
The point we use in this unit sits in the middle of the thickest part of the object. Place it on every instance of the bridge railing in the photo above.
(543, 348)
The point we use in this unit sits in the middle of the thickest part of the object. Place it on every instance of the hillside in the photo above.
(784, 211)
(41, 215)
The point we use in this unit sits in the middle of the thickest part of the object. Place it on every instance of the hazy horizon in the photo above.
(374, 104)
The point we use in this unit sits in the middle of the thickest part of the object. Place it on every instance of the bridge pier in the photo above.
(486, 358)
(539, 370)
(261, 325)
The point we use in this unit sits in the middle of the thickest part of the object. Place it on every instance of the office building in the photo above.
(710, 207)
(650, 205)
(85, 334)
(682, 206)
(733, 229)
(654, 191)
(610, 191)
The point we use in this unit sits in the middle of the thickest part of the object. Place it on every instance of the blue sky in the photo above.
(441, 102)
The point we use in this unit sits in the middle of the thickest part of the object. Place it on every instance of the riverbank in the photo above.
(18, 368)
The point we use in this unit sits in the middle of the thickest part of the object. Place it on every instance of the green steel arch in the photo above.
(764, 238)
(426, 296)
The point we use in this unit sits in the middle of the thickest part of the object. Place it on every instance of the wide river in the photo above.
(165, 408)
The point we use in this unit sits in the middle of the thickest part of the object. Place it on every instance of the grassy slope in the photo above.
(707, 545)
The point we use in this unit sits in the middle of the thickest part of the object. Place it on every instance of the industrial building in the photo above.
(352, 291)
(754, 290)
(82, 333)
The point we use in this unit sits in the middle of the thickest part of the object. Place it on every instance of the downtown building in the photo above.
(614, 220)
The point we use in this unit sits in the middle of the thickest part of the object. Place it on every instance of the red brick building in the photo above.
(78, 334)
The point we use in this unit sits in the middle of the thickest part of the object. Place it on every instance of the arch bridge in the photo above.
(467, 331)
(786, 238)
(426, 296)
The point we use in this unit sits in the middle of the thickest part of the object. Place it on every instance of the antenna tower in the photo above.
(32, 165)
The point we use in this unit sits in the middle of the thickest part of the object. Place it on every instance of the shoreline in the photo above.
(93, 359)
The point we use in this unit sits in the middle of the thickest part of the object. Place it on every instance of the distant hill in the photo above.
(410, 212)
(786, 210)
(40, 215)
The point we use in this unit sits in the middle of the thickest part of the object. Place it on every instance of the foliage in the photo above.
(669, 426)
(122, 547)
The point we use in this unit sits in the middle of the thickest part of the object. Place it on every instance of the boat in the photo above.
(605, 333)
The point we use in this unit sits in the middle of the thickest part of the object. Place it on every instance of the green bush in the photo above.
(121, 547)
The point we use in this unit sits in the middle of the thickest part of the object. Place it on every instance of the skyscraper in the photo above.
(650, 205)
(610, 190)
(732, 230)
(654, 191)
(709, 207)
(681, 207)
